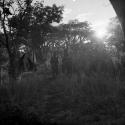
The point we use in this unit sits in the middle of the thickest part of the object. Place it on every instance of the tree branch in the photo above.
(4, 29)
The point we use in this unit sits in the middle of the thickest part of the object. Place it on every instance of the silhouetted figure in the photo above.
(25, 64)
(54, 64)
(66, 64)
(21, 67)
(30, 65)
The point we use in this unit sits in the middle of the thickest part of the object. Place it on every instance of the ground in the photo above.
(95, 101)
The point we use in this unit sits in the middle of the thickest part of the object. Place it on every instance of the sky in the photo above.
(97, 12)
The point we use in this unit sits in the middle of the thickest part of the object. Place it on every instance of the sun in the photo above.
(101, 33)
(101, 28)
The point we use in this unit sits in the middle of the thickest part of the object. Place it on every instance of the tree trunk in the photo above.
(12, 73)
(119, 7)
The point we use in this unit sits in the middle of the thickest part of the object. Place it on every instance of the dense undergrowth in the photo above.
(96, 100)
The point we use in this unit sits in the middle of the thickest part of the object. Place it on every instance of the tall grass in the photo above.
(96, 99)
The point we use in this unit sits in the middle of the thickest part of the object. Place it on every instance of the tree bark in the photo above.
(11, 68)
(119, 7)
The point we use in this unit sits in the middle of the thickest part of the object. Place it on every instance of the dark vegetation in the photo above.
(58, 74)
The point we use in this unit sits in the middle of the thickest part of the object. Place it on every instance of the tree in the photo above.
(116, 35)
(74, 33)
(118, 6)
(38, 24)
(8, 42)
(19, 21)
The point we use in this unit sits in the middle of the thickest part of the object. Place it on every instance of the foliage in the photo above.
(116, 36)
(34, 22)
(24, 23)
(76, 32)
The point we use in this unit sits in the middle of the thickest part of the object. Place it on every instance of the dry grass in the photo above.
(97, 99)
